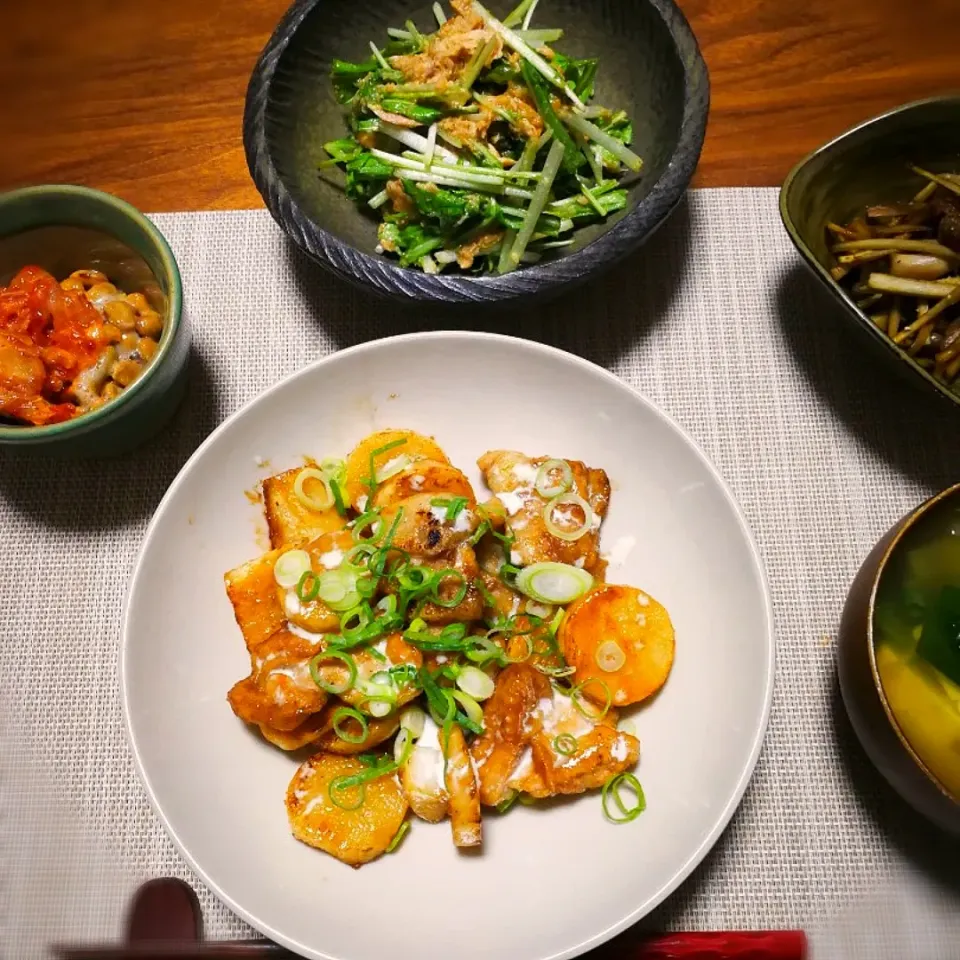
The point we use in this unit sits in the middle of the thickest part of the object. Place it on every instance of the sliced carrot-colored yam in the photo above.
(637, 624)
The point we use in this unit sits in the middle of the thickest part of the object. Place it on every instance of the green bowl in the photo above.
(869, 164)
(66, 228)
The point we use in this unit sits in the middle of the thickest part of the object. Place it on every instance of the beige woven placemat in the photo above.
(715, 321)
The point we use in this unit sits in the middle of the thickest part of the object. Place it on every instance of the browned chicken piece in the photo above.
(450, 49)
(309, 732)
(512, 477)
(509, 721)
(537, 742)
(425, 530)
(440, 480)
(395, 652)
(318, 730)
(280, 691)
(354, 836)
(464, 562)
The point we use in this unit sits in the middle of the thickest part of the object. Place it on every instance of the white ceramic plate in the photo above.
(551, 882)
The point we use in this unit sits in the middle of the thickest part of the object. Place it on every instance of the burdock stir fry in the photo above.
(478, 143)
(901, 262)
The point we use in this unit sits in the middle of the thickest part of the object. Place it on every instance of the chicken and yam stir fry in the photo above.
(477, 144)
(440, 651)
(900, 260)
(68, 348)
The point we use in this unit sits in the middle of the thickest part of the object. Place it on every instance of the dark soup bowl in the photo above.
(899, 658)
(649, 66)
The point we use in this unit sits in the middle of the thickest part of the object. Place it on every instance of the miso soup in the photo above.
(917, 636)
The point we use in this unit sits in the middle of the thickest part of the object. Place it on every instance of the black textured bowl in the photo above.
(650, 66)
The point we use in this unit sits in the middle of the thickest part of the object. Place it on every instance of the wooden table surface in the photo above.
(144, 98)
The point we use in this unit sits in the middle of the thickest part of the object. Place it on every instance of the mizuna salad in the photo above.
(478, 144)
(439, 654)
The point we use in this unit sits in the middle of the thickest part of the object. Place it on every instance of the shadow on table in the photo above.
(913, 431)
(629, 301)
(920, 843)
(87, 495)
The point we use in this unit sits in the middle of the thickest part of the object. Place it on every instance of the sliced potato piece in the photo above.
(253, 593)
(289, 520)
(353, 836)
(622, 637)
(379, 729)
(437, 478)
(280, 691)
(413, 448)
(461, 784)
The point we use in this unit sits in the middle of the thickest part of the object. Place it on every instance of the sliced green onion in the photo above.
(611, 790)
(517, 43)
(431, 147)
(504, 805)
(438, 581)
(538, 202)
(556, 673)
(594, 202)
(565, 744)
(338, 589)
(508, 573)
(346, 713)
(556, 621)
(378, 200)
(339, 786)
(309, 500)
(371, 482)
(361, 550)
(610, 656)
(573, 500)
(542, 610)
(550, 582)
(611, 144)
(307, 594)
(439, 14)
(537, 38)
(392, 467)
(542, 484)
(577, 698)
(371, 520)
(398, 836)
(380, 58)
(413, 140)
(337, 497)
(361, 614)
(471, 708)
(475, 683)
(414, 720)
(484, 650)
(529, 642)
(335, 688)
(290, 567)
(379, 705)
(414, 579)
(415, 34)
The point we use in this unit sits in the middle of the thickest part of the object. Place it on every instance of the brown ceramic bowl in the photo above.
(870, 712)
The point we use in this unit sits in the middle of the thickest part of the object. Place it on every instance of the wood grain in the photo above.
(144, 99)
